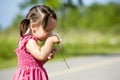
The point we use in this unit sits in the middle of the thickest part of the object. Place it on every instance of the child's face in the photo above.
(43, 34)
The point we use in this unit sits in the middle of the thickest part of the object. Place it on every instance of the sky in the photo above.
(9, 8)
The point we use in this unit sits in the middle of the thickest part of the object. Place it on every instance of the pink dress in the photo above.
(29, 68)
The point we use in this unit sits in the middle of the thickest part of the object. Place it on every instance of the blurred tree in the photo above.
(101, 17)
(0, 27)
(27, 3)
(56, 4)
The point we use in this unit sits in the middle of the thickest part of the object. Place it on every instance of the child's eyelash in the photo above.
(47, 30)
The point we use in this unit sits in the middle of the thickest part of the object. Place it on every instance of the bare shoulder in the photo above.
(32, 45)
(32, 42)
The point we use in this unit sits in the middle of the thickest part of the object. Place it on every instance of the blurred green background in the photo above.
(85, 29)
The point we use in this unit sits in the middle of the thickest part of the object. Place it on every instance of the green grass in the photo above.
(8, 63)
(73, 44)
(8, 44)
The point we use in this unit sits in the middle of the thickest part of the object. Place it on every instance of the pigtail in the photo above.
(23, 27)
(45, 21)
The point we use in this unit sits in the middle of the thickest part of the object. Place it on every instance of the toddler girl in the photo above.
(37, 26)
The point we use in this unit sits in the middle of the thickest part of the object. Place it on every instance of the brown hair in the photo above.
(35, 15)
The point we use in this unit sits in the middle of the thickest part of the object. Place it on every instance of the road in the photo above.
(102, 67)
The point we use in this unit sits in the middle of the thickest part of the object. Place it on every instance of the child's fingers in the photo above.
(52, 54)
(53, 50)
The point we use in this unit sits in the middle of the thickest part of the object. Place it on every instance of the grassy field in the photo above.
(73, 44)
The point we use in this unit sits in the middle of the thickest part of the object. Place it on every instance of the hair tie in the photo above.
(50, 14)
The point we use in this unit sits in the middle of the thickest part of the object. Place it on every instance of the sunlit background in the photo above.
(88, 27)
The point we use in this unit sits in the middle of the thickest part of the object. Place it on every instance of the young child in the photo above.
(37, 26)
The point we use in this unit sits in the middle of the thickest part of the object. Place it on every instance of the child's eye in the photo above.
(47, 30)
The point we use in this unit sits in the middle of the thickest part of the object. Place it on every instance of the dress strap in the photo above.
(23, 41)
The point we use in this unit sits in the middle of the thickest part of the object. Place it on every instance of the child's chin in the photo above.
(44, 39)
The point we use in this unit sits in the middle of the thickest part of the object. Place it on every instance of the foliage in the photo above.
(103, 18)
(106, 15)
(7, 48)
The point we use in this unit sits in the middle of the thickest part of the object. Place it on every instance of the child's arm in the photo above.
(51, 55)
(43, 52)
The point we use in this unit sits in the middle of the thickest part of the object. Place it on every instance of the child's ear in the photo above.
(33, 27)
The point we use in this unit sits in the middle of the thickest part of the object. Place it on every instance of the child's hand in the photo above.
(57, 35)
(54, 39)
(52, 54)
